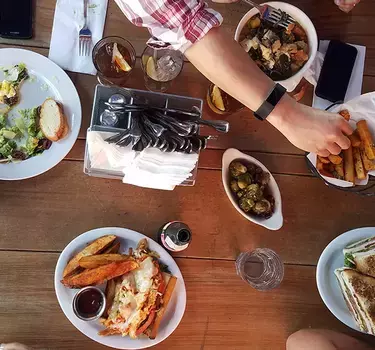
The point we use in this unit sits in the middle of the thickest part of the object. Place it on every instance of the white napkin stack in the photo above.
(66, 25)
(355, 83)
(150, 168)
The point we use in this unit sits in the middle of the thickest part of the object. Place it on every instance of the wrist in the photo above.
(282, 112)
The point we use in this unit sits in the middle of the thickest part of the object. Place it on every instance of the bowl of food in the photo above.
(283, 54)
(252, 189)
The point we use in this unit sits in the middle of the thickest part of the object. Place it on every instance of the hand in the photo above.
(346, 5)
(311, 129)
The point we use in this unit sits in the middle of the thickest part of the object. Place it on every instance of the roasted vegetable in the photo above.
(246, 204)
(244, 180)
(237, 168)
(234, 186)
(263, 207)
(254, 192)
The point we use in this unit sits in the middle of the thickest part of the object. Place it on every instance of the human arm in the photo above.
(225, 63)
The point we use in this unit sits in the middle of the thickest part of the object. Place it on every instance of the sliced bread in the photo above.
(52, 120)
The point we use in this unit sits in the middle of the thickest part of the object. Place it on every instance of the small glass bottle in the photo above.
(261, 268)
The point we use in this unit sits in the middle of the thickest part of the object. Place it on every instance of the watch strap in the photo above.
(269, 104)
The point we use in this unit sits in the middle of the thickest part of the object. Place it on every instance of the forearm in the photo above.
(224, 62)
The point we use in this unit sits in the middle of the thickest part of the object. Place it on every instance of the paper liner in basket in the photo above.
(360, 108)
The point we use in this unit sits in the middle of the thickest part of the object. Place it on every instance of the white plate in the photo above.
(128, 238)
(275, 222)
(331, 259)
(48, 80)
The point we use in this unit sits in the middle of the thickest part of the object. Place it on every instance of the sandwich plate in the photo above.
(128, 239)
(331, 259)
(47, 80)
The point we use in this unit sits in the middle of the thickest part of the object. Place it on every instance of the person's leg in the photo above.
(322, 339)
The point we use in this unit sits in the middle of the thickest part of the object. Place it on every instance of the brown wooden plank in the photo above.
(55, 207)
(211, 159)
(29, 311)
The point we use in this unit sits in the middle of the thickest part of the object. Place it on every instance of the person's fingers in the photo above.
(333, 148)
(343, 141)
(323, 153)
(346, 128)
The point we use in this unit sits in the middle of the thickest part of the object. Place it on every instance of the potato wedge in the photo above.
(108, 331)
(349, 165)
(93, 248)
(335, 159)
(324, 160)
(319, 164)
(366, 138)
(354, 138)
(93, 261)
(110, 292)
(339, 171)
(112, 249)
(367, 163)
(358, 165)
(345, 114)
(166, 299)
(99, 275)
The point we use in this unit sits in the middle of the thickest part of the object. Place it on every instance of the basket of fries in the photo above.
(352, 170)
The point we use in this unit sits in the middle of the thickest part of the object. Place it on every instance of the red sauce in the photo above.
(89, 303)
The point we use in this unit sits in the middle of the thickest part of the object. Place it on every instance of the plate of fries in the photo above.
(353, 166)
(144, 288)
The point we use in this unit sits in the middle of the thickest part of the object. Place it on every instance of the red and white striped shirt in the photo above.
(176, 23)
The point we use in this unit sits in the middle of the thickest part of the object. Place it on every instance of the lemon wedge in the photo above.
(119, 59)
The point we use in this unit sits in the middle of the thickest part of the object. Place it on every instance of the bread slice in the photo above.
(52, 120)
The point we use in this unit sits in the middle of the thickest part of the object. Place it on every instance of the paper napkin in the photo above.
(66, 25)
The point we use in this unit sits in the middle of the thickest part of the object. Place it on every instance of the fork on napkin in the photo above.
(68, 21)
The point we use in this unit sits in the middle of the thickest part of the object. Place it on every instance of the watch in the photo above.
(269, 104)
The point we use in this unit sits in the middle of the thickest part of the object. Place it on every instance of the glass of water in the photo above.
(161, 67)
(262, 268)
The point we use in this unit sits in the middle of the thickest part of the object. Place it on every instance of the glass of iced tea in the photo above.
(114, 58)
(161, 67)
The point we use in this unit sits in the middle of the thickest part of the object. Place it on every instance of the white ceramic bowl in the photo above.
(290, 83)
(275, 222)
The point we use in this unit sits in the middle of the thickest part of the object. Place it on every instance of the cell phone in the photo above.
(16, 19)
(336, 71)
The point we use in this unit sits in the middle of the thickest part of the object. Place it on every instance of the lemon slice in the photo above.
(217, 98)
(151, 69)
(119, 59)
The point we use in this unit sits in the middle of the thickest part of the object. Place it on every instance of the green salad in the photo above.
(20, 138)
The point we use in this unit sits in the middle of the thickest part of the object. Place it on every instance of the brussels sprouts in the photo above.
(246, 204)
(234, 186)
(254, 192)
(244, 180)
(263, 207)
(237, 168)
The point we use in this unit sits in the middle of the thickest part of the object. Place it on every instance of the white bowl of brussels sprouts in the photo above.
(252, 189)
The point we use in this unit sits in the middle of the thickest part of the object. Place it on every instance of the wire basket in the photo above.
(365, 191)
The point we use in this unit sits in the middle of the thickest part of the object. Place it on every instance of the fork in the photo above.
(85, 35)
(273, 15)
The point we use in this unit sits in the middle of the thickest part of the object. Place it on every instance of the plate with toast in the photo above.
(40, 114)
(345, 278)
(143, 291)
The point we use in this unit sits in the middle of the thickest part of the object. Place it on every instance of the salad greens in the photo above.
(349, 260)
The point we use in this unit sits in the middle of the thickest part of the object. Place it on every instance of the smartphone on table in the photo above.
(336, 71)
(16, 19)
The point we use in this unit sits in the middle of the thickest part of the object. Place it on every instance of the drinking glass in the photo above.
(161, 67)
(261, 268)
(102, 53)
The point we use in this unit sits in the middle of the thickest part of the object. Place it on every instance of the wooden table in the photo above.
(40, 216)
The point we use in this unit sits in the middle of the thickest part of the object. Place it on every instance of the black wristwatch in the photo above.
(269, 104)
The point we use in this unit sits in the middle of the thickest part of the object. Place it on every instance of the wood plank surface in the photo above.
(30, 313)
(47, 212)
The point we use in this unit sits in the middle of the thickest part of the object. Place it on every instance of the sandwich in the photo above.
(361, 256)
(140, 297)
(359, 294)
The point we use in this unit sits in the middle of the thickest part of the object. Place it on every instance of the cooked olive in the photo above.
(263, 207)
(234, 186)
(244, 180)
(237, 168)
(254, 192)
(246, 204)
